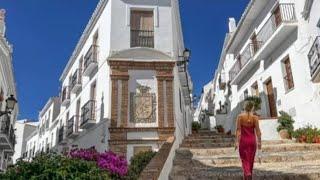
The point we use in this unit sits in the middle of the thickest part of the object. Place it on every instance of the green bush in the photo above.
(256, 102)
(285, 122)
(196, 126)
(138, 163)
(55, 167)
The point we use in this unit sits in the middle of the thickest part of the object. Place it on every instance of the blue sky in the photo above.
(45, 32)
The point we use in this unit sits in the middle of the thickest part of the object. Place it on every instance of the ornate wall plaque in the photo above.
(142, 105)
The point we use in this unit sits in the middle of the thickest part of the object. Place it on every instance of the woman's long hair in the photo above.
(248, 106)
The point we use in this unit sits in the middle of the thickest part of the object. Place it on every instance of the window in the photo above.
(288, 78)
(246, 93)
(142, 28)
(1, 98)
(180, 100)
(255, 89)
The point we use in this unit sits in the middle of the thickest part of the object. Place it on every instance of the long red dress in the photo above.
(248, 129)
(247, 149)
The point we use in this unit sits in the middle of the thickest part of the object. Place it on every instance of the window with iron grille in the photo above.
(142, 28)
(288, 78)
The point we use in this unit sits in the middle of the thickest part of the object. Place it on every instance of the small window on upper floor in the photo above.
(288, 77)
(142, 28)
(246, 93)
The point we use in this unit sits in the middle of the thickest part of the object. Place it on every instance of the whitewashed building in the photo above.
(23, 128)
(45, 137)
(7, 90)
(273, 53)
(126, 87)
(204, 111)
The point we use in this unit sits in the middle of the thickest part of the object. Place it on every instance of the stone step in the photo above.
(204, 135)
(265, 148)
(213, 140)
(306, 170)
(207, 145)
(234, 159)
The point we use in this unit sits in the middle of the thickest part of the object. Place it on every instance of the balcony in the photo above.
(62, 136)
(65, 96)
(314, 60)
(90, 60)
(280, 24)
(7, 134)
(142, 38)
(88, 118)
(73, 127)
(76, 81)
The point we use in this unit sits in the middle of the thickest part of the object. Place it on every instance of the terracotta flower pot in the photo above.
(284, 134)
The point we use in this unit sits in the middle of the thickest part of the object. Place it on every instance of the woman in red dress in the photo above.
(248, 137)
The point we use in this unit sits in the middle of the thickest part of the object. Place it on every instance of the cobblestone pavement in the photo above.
(208, 155)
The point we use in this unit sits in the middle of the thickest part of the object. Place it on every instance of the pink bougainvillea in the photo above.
(115, 164)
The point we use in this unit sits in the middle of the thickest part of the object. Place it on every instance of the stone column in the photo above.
(169, 105)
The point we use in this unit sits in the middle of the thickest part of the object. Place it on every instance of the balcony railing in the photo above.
(12, 137)
(76, 81)
(90, 60)
(88, 113)
(65, 96)
(61, 135)
(314, 58)
(142, 38)
(4, 125)
(73, 126)
(284, 13)
(243, 58)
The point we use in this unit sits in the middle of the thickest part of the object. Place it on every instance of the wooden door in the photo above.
(93, 91)
(288, 77)
(254, 43)
(271, 99)
(277, 15)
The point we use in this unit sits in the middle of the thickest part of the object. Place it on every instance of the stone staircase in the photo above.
(209, 155)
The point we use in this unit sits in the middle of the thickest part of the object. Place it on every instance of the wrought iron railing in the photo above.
(73, 125)
(243, 58)
(91, 56)
(88, 112)
(76, 78)
(61, 134)
(65, 94)
(286, 14)
(5, 124)
(142, 38)
(314, 56)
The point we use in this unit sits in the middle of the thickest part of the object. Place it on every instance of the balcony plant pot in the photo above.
(302, 139)
(284, 134)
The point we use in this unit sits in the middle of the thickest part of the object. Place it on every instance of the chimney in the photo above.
(232, 25)
(2, 22)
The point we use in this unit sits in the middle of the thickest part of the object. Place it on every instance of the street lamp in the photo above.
(186, 55)
(10, 104)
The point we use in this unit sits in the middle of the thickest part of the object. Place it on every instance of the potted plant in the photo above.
(285, 127)
(195, 127)
(256, 102)
(219, 128)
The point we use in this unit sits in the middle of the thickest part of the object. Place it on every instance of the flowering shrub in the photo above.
(116, 165)
(53, 166)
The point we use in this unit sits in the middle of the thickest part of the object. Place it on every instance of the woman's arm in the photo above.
(238, 132)
(258, 132)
